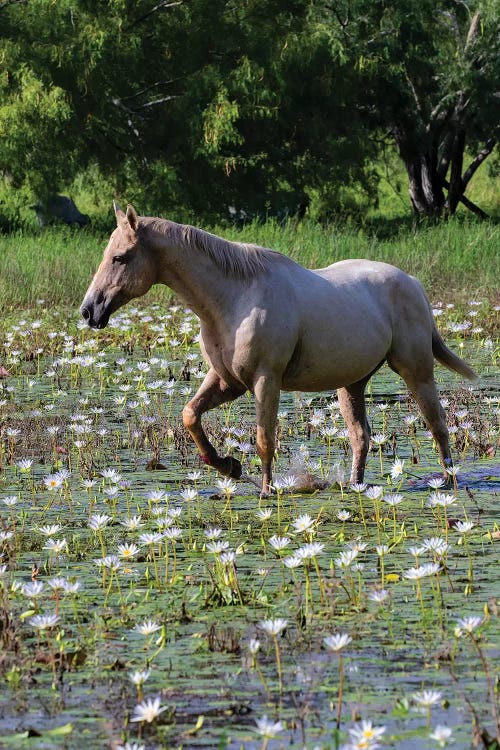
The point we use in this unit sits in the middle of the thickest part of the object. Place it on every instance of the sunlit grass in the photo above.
(56, 265)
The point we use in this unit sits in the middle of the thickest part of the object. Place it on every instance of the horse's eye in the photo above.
(120, 259)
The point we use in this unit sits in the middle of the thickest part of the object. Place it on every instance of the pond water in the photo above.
(129, 527)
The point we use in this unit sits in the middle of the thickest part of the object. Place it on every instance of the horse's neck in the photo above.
(197, 279)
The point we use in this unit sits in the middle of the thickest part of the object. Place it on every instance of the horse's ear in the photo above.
(120, 216)
(132, 218)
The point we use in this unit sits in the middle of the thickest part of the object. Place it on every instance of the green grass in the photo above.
(454, 260)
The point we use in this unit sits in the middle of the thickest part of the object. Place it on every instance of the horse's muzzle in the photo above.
(93, 321)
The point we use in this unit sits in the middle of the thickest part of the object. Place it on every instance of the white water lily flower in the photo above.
(307, 551)
(441, 735)
(268, 729)
(226, 486)
(212, 532)
(464, 526)
(148, 710)
(147, 627)
(303, 523)
(346, 558)
(50, 530)
(358, 487)
(338, 641)
(397, 468)
(467, 625)
(393, 499)
(264, 514)
(98, 521)
(127, 551)
(366, 733)
(374, 492)
(378, 596)
(217, 546)
(33, 588)
(139, 677)
(279, 542)
(343, 515)
(273, 627)
(44, 622)
(56, 545)
(427, 697)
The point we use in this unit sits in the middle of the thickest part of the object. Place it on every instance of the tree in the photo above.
(205, 105)
(254, 104)
(428, 74)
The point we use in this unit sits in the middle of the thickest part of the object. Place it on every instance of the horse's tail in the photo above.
(448, 358)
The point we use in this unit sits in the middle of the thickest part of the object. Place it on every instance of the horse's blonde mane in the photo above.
(237, 259)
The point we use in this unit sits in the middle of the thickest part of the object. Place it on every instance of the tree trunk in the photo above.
(456, 189)
(425, 187)
(427, 174)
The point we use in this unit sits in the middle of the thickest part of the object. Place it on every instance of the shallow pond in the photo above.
(149, 563)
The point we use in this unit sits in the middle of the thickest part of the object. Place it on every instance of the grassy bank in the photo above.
(455, 260)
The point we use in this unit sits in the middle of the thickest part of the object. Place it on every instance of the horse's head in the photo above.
(126, 271)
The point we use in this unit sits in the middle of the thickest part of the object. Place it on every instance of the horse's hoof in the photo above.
(235, 470)
(230, 467)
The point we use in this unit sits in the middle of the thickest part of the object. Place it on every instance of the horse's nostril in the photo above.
(85, 313)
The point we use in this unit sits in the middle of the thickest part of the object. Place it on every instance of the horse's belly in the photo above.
(327, 368)
(311, 380)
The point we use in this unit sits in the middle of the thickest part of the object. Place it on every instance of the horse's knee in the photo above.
(265, 451)
(189, 417)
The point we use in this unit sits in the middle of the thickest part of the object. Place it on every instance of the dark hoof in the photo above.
(230, 467)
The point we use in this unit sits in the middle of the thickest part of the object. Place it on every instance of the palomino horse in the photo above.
(268, 324)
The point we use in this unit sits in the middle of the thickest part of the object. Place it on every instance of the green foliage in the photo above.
(269, 107)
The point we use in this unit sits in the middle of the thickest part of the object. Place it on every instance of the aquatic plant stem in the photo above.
(278, 662)
(341, 688)
(489, 681)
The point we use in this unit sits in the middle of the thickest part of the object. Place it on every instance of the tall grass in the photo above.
(453, 260)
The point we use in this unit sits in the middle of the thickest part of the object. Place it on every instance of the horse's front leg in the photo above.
(212, 392)
(267, 396)
(353, 409)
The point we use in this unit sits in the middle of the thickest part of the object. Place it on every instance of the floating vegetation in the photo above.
(145, 602)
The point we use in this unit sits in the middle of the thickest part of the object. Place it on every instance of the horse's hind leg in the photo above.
(426, 396)
(267, 396)
(353, 409)
(212, 392)
(423, 387)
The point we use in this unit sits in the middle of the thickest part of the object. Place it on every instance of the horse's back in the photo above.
(356, 269)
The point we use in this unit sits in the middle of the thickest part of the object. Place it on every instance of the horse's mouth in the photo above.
(96, 324)
(97, 312)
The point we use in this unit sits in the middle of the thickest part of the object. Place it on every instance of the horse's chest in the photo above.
(227, 364)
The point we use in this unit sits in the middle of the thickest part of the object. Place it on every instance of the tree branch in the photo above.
(473, 30)
(446, 152)
(5, 3)
(413, 91)
(154, 102)
(476, 163)
(148, 88)
(467, 203)
(160, 6)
